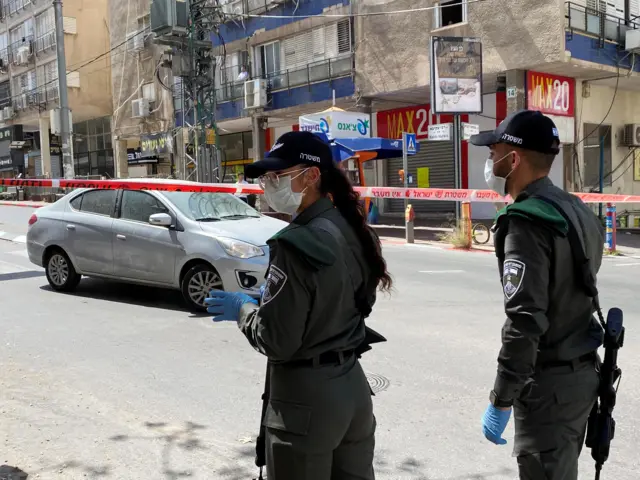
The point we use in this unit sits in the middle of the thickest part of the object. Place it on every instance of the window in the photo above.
(45, 30)
(270, 55)
(5, 94)
(235, 146)
(450, 12)
(76, 202)
(139, 206)
(100, 202)
(4, 51)
(595, 135)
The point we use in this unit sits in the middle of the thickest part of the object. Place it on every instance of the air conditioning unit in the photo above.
(255, 94)
(632, 41)
(22, 57)
(138, 41)
(8, 112)
(631, 135)
(140, 108)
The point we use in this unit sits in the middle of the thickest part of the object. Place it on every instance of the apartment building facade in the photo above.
(29, 87)
(568, 59)
(305, 63)
(141, 87)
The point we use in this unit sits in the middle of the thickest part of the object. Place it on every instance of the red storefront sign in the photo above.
(551, 94)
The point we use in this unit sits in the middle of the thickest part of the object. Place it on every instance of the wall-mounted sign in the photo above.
(6, 164)
(337, 124)
(551, 94)
(456, 75)
(134, 157)
(156, 144)
(391, 123)
(440, 132)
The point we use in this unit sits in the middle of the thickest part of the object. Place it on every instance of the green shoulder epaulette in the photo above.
(307, 242)
(538, 211)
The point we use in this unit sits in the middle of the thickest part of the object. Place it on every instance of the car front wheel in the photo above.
(196, 285)
(60, 272)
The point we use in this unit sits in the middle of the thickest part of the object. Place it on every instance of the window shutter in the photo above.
(70, 25)
(317, 38)
(331, 40)
(344, 36)
(73, 79)
(634, 11)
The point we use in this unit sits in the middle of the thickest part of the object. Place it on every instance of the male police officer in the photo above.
(547, 364)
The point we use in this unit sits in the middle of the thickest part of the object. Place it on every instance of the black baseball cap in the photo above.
(293, 148)
(527, 129)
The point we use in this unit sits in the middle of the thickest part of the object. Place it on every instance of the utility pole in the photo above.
(65, 136)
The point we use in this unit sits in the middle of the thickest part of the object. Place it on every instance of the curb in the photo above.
(5, 203)
(441, 246)
(13, 237)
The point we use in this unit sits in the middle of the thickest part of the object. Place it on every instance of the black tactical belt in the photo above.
(586, 358)
(326, 358)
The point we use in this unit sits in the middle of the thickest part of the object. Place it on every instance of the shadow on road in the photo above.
(20, 276)
(12, 473)
(143, 296)
(413, 469)
(81, 470)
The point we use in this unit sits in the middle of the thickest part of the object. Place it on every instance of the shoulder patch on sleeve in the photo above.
(276, 279)
(512, 275)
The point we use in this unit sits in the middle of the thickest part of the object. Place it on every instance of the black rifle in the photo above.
(601, 427)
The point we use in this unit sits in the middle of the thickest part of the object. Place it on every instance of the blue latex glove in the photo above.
(226, 305)
(494, 422)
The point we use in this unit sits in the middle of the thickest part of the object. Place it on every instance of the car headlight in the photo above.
(239, 249)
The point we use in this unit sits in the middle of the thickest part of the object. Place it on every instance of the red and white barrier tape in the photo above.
(436, 194)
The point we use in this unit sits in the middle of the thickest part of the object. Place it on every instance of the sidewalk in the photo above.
(27, 204)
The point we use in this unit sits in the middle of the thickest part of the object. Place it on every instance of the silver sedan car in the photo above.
(192, 242)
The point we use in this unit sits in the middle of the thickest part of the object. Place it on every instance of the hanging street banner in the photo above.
(337, 124)
(156, 144)
(456, 75)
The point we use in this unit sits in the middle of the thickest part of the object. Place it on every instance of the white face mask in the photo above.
(495, 183)
(281, 197)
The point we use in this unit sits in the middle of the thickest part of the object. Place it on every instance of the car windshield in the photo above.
(211, 207)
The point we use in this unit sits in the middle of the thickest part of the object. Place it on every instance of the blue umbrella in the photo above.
(345, 148)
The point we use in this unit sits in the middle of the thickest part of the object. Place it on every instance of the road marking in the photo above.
(441, 271)
(20, 239)
(626, 264)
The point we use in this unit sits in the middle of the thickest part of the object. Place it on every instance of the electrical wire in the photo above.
(365, 14)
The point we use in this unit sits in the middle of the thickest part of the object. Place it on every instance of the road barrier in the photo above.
(434, 194)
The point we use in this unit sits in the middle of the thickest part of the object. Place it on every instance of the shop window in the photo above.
(235, 146)
(595, 136)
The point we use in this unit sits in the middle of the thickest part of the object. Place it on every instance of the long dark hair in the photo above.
(333, 181)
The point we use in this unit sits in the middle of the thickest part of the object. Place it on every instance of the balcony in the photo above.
(11, 8)
(322, 71)
(601, 26)
(46, 43)
(40, 97)
(16, 57)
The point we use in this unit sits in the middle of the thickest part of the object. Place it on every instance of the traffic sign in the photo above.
(410, 143)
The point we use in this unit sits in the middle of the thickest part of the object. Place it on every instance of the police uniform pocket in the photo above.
(287, 417)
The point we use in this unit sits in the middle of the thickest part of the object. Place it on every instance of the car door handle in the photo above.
(121, 237)
(71, 227)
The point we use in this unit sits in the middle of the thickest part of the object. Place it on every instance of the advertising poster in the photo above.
(456, 75)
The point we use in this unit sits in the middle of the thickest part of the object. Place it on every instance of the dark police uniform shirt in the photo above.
(308, 306)
(549, 317)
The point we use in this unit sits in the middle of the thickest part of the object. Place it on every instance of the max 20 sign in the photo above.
(551, 94)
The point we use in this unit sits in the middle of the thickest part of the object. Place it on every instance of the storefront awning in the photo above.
(377, 148)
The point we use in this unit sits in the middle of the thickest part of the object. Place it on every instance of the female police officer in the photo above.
(324, 270)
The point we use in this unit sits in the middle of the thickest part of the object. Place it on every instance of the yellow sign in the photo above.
(211, 136)
(423, 177)
(636, 166)
(237, 162)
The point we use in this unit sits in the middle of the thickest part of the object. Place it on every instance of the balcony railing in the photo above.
(240, 7)
(599, 24)
(38, 97)
(46, 41)
(12, 7)
(324, 70)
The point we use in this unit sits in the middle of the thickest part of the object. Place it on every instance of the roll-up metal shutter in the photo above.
(438, 156)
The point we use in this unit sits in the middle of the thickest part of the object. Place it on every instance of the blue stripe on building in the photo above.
(307, 94)
(590, 49)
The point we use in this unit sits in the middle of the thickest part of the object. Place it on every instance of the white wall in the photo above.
(625, 110)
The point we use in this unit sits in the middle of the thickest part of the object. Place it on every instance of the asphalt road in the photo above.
(120, 383)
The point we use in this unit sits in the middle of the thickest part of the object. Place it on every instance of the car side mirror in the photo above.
(161, 220)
